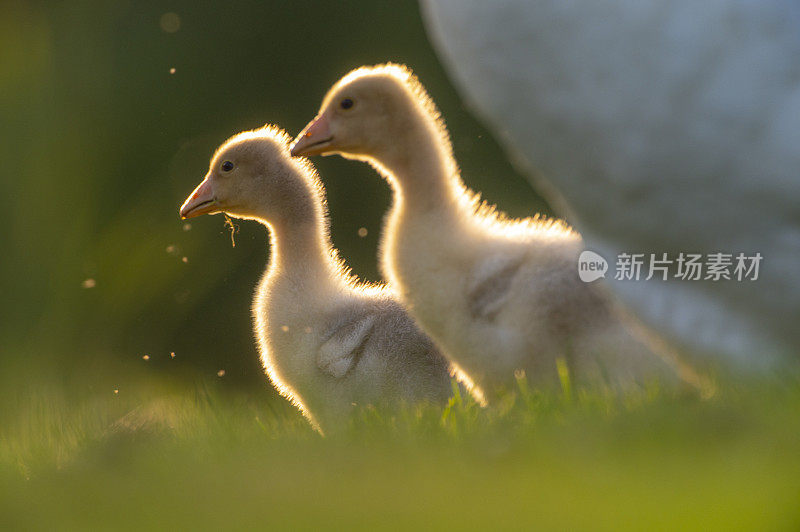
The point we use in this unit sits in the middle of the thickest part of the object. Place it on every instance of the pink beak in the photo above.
(316, 138)
(200, 202)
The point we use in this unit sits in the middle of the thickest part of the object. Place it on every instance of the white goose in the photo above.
(326, 340)
(656, 126)
(497, 295)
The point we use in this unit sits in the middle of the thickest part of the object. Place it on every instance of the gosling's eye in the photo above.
(227, 166)
(346, 103)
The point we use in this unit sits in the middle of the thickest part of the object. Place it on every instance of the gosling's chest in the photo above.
(428, 261)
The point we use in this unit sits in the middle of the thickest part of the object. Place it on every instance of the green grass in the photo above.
(206, 456)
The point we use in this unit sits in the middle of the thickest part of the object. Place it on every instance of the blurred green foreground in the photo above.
(204, 457)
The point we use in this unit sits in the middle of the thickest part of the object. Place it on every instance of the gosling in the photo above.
(327, 341)
(498, 296)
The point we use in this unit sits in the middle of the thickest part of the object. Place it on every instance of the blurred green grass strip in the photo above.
(206, 456)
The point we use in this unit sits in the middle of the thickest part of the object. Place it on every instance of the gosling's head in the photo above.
(252, 175)
(366, 113)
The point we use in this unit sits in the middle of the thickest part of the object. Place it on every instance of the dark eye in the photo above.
(347, 103)
(227, 166)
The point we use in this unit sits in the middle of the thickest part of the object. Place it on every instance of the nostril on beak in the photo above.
(314, 138)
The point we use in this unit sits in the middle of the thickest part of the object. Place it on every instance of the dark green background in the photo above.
(101, 144)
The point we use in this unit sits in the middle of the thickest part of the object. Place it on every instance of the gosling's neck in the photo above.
(300, 247)
(420, 167)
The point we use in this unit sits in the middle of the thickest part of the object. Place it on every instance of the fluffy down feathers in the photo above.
(497, 295)
(327, 341)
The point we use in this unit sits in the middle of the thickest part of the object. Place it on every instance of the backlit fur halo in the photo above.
(489, 218)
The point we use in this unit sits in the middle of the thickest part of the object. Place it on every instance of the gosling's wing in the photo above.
(341, 351)
(490, 288)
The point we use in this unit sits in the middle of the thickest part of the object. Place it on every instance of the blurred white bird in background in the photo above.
(654, 126)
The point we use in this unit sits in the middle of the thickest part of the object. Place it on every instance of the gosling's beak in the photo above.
(200, 202)
(316, 138)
